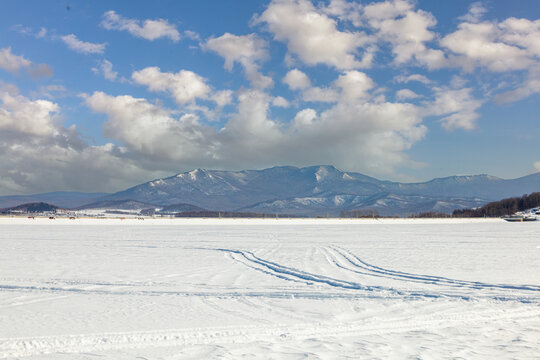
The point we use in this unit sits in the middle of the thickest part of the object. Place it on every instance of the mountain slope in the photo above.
(322, 189)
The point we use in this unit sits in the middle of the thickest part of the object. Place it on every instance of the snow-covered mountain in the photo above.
(319, 190)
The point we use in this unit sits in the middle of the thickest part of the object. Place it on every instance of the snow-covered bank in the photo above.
(6, 220)
(267, 288)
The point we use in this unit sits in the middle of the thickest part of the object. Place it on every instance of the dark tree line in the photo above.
(503, 207)
(430, 214)
(365, 213)
(226, 214)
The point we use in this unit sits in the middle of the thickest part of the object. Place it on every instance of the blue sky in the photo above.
(98, 96)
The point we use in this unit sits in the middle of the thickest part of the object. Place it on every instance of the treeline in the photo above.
(430, 215)
(226, 214)
(502, 208)
(356, 214)
(33, 208)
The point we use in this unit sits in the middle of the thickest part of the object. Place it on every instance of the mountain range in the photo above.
(308, 191)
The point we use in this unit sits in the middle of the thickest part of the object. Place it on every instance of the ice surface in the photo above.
(267, 288)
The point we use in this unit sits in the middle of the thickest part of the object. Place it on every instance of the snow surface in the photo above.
(267, 288)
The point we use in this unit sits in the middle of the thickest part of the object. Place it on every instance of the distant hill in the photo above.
(308, 191)
(117, 204)
(503, 207)
(64, 199)
(180, 208)
(322, 190)
(31, 208)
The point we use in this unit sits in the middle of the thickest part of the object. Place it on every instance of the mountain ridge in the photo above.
(317, 190)
(323, 188)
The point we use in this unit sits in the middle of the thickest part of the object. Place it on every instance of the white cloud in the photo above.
(476, 11)
(458, 106)
(28, 31)
(350, 86)
(82, 47)
(407, 30)
(247, 50)
(11, 62)
(500, 47)
(509, 45)
(312, 35)
(151, 131)
(149, 30)
(222, 98)
(304, 118)
(414, 77)
(345, 11)
(23, 116)
(192, 35)
(41, 33)
(39, 154)
(106, 68)
(536, 166)
(406, 94)
(296, 80)
(530, 86)
(52, 91)
(185, 86)
(367, 136)
(280, 101)
(354, 85)
(320, 94)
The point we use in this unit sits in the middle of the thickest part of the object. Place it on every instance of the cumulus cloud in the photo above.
(82, 47)
(247, 50)
(184, 86)
(414, 77)
(147, 29)
(476, 11)
(296, 80)
(150, 130)
(406, 94)
(355, 135)
(39, 154)
(350, 86)
(531, 85)
(457, 106)
(536, 166)
(51, 91)
(313, 36)
(106, 68)
(21, 115)
(407, 30)
(280, 101)
(11, 62)
(304, 118)
(320, 94)
(498, 46)
(223, 97)
(354, 85)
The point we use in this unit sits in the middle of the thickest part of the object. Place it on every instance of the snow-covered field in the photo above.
(281, 289)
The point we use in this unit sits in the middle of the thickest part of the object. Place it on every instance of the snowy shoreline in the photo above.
(237, 221)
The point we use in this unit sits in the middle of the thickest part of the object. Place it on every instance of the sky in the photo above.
(99, 96)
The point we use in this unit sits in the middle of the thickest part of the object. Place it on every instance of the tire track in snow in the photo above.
(361, 267)
(292, 274)
(99, 342)
(285, 293)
